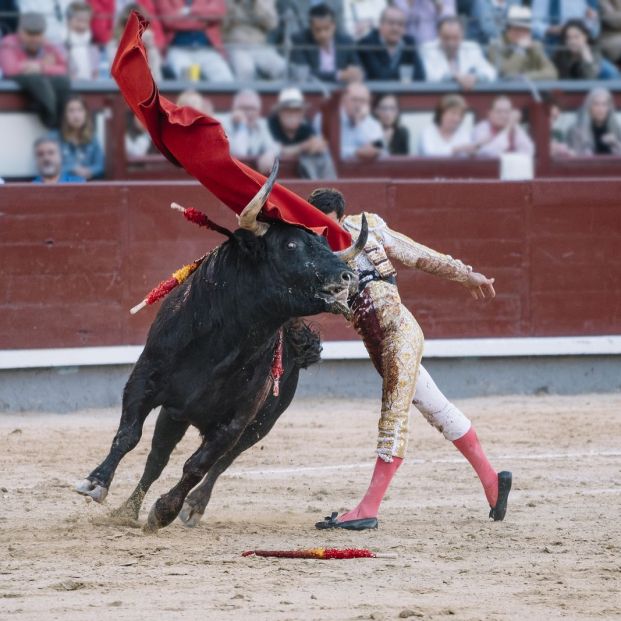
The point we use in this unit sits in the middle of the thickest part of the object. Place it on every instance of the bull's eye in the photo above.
(292, 245)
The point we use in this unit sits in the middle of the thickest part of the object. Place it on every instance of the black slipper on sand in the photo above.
(330, 522)
(497, 513)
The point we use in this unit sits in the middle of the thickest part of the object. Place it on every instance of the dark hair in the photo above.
(579, 25)
(321, 11)
(328, 200)
(378, 99)
(448, 19)
(446, 103)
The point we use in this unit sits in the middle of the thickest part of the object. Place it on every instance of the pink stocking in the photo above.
(369, 505)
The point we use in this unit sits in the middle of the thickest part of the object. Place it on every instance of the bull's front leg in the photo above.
(168, 506)
(136, 408)
(167, 434)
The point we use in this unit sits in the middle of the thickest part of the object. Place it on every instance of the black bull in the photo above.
(209, 355)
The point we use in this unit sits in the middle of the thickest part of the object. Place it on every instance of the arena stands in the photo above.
(530, 78)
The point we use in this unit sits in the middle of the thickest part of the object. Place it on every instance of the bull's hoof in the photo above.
(159, 517)
(190, 515)
(152, 524)
(92, 489)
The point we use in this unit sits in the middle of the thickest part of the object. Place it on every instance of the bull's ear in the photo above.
(252, 247)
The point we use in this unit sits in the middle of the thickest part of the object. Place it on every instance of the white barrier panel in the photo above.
(336, 350)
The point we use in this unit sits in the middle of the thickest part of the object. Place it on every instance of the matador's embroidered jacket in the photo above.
(390, 333)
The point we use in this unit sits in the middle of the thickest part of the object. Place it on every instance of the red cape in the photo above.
(198, 143)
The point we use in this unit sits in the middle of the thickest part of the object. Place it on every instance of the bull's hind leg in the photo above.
(196, 503)
(167, 434)
(137, 403)
(168, 506)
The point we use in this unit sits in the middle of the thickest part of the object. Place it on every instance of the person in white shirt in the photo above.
(448, 134)
(361, 135)
(361, 16)
(84, 57)
(248, 133)
(501, 132)
(449, 57)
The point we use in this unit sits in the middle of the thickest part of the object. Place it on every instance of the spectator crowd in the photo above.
(45, 45)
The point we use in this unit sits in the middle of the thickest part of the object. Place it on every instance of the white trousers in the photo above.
(213, 67)
(247, 61)
(437, 409)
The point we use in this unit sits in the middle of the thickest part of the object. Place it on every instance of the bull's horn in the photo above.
(355, 249)
(248, 217)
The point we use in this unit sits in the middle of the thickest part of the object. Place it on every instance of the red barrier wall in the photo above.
(74, 259)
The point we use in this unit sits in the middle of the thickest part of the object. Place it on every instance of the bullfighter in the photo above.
(394, 341)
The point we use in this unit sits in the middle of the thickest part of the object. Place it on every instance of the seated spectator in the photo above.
(610, 39)
(194, 32)
(149, 38)
(386, 52)
(297, 137)
(559, 146)
(549, 16)
(246, 27)
(447, 135)
(517, 55)
(597, 130)
(361, 135)
(361, 16)
(84, 57)
(55, 14)
(577, 60)
(248, 134)
(49, 163)
(501, 132)
(138, 143)
(451, 58)
(487, 20)
(293, 17)
(37, 66)
(396, 139)
(81, 152)
(423, 16)
(328, 53)
(8, 17)
(195, 100)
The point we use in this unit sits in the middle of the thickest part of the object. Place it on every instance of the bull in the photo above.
(209, 355)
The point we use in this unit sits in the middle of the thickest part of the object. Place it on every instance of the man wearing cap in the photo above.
(297, 137)
(39, 67)
(517, 54)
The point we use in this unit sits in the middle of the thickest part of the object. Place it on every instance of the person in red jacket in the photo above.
(193, 31)
(104, 17)
(39, 67)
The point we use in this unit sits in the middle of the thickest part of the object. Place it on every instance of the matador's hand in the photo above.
(480, 286)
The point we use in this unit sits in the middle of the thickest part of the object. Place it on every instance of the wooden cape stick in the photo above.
(321, 553)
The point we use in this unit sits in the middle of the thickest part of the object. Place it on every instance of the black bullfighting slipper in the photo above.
(497, 513)
(330, 522)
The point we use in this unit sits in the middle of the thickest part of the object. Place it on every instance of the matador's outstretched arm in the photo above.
(413, 254)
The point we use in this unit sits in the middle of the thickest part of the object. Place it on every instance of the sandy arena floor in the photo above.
(557, 555)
